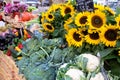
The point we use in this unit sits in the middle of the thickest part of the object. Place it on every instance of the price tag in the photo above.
(84, 5)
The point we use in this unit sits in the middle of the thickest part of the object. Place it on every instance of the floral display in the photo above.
(65, 44)
(11, 8)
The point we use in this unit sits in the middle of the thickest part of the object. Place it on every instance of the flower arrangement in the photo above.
(13, 8)
(53, 19)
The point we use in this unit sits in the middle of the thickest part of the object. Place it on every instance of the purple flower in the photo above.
(23, 7)
(10, 8)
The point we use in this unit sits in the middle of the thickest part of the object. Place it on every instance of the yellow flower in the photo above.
(97, 20)
(109, 10)
(81, 19)
(49, 16)
(67, 9)
(48, 27)
(74, 37)
(54, 7)
(98, 7)
(43, 17)
(117, 19)
(66, 24)
(109, 35)
(93, 37)
(68, 39)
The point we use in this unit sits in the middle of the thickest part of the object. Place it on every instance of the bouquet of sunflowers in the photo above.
(96, 31)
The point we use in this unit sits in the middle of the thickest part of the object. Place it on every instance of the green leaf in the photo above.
(106, 52)
(117, 11)
(111, 56)
(118, 59)
(118, 43)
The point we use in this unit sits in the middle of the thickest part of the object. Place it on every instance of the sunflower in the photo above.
(109, 35)
(48, 27)
(118, 21)
(74, 37)
(49, 16)
(97, 20)
(81, 18)
(109, 11)
(93, 37)
(67, 9)
(54, 7)
(68, 39)
(43, 17)
(98, 7)
(66, 24)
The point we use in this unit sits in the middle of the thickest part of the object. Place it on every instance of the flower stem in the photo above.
(45, 51)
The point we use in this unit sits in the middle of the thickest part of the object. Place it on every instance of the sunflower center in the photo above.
(49, 27)
(50, 16)
(76, 37)
(83, 20)
(67, 10)
(94, 36)
(119, 23)
(97, 21)
(111, 35)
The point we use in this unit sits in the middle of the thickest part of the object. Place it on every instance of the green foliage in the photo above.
(39, 54)
(31, 8)
(117, 10)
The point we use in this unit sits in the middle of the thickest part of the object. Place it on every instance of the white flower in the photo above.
(75, 74)
(93, 62)
(98, 76)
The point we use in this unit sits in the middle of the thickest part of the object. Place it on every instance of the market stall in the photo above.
(69, 41)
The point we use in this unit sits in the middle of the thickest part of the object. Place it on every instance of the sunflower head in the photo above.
(98, 7)
(48, 27)
(75, 37)
(109, 35)
(93, 37)
(54, 7)
(43, 17)
(97, 20)
(49, 16)
(67, 22)
(67, 9)
(81, 18)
